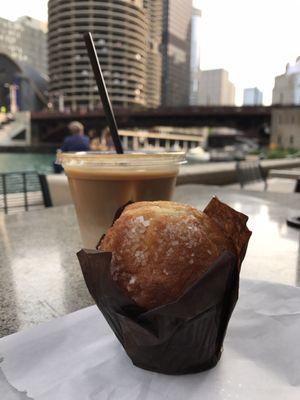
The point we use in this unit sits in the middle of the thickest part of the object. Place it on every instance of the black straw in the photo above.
(103, 92)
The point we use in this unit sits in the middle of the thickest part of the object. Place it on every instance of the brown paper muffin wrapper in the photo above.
(182, 337)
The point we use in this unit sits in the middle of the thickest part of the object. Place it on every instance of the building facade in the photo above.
(176, 39)
(252, 97)
(22, 88)
(285, 127)
(119, 29)
(287, 86)
(25, 40)
(154, 12)
(195, 57)
(215, 88)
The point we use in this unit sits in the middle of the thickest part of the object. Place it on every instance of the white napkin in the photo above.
(77, 357)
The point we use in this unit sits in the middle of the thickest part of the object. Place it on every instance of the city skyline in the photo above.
(253, 42)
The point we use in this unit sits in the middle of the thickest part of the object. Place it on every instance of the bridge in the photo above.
(51, 127)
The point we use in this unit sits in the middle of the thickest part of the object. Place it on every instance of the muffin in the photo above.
(159, 249)
(166, 280)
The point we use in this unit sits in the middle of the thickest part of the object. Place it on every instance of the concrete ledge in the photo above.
(225, 173)
(190, 193)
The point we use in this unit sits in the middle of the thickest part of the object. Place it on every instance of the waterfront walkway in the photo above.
(224, 173)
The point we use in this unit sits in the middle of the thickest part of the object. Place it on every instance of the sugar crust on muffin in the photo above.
(160, 248)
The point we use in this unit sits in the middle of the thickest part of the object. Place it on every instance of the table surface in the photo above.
(41, 278)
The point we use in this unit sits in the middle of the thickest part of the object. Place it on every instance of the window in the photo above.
(291, 140)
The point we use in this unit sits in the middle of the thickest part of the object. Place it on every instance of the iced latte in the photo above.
(101, 183)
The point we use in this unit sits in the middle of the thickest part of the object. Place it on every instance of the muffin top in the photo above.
(161, 248)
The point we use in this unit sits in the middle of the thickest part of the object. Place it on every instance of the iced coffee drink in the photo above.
(101, 183)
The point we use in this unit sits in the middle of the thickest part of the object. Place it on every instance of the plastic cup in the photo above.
(102, 183)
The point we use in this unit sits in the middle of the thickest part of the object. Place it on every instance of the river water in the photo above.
(15, 162)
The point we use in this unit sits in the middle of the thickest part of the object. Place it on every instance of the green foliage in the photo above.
(281, 153)
(270, 154)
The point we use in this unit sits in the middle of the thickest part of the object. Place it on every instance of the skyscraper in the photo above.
(215, 88)
(25, 40)
(119, 30)
(177, 15)
(252, 97)
(287, 86)
(154, 10)
(195, 56)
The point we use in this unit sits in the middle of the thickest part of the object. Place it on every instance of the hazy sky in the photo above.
(252, 39)
(12, 9)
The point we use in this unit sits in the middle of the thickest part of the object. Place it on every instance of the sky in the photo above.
(252, 39)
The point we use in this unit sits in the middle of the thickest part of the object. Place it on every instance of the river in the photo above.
(12, 162)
